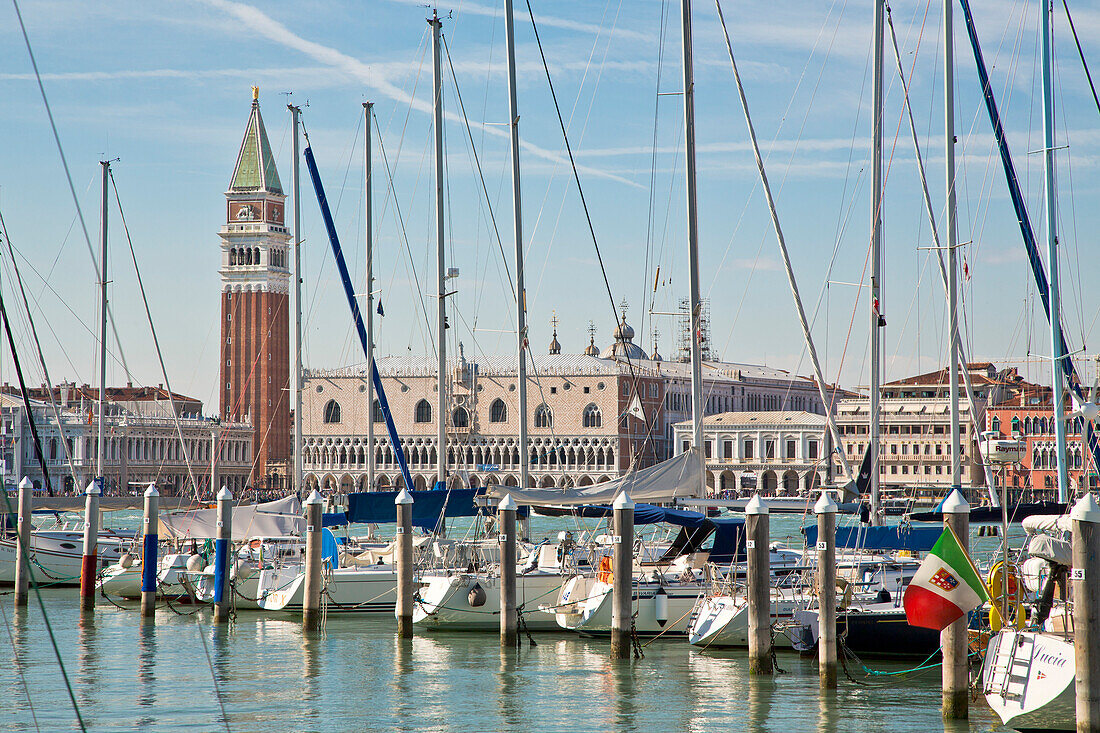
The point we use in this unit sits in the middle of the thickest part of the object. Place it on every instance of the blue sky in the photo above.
(165, 88)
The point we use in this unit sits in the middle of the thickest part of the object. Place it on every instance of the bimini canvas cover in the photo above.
(1050, 523)
(271, 519)
(668, 480)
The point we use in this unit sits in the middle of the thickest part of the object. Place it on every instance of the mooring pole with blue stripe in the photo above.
(149, 552)
(221, 555)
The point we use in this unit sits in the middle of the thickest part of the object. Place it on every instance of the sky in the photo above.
(165, 89)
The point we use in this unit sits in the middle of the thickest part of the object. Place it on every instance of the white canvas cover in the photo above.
(271, 519)
(1052, 523)
(1051, 548)
(677, 477)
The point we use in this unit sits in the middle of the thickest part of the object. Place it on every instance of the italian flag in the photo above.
(946, 586)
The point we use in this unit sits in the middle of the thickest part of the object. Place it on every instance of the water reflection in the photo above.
(621, 673)
(147, 681)
(761, 692)
(405, 703)
(510, 704)
(87, 669)
(311, 673)
(827, 716)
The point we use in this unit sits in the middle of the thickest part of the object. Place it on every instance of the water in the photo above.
(179, 672)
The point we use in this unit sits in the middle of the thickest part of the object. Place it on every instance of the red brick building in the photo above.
(1029, 416)
(255, 325)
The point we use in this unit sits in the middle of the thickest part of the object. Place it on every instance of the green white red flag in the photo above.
(946, 587)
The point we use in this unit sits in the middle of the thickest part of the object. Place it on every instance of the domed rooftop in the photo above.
(624, 346)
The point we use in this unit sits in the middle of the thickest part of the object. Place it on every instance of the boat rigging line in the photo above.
(1081, 53)
(38, 346)
(156, 341)
(68, 176)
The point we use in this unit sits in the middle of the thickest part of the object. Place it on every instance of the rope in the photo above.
(635, 646)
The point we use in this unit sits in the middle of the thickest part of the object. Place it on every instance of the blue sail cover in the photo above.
(729, 541)
(357, 317)
(643, 514)
(918, 539)
(378, 506)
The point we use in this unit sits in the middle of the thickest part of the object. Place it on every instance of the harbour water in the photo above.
(264, 674)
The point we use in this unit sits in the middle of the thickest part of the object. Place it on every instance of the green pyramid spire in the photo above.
(255, 170)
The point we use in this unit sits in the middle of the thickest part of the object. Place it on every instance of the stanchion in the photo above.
(622, 569)
(149, 552)
(757, 534)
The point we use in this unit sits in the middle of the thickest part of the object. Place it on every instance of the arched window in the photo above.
(995, 424)
(376, 413)
(1015, 424)
(332, 412)
(592, 418)
(543, 417)
(498, 412)
(1027, 425)
(256, 255)
(233, 256)
(460, 418)
(423, 411)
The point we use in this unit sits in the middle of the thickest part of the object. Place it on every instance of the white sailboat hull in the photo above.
(1029, 680)
(723, 621)
(56, 556)
(590, 614)
(444, 601)
(353, 589)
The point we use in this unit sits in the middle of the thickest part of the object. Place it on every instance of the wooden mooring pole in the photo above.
(1086, 611)
(622, 570)
(23, 542)
(954, 640)
(90, 561)
(825, 508)
(508, 619)
(758, 582)
(404, 610)
(149, 541)
(311, 600)
(223, 547)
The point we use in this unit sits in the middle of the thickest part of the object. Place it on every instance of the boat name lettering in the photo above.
(1056, 660)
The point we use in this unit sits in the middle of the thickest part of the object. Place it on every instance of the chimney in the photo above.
(129, 385)
(64, 394)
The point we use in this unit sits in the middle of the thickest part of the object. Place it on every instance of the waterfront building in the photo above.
(255, 302)
(581, 430)
(1028, 416)
(142, 441)
(915, 444)
(779, 452)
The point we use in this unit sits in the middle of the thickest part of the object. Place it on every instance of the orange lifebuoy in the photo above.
(604, 574)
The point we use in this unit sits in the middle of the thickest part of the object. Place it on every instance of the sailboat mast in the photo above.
(693, 247)
(441, 313)
(521, 293)
(296, 356)
(877, 320)
(100, 448)
(952, 240)
(1058, 369)
(368, 109)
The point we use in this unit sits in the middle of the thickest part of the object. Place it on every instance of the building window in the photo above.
(707, 447)
(460, 418)
(543, 417)
(592, 417)
(498, 412)
(587, 389)
(332, 412)
(727, 449)
(790, 450)
(376, 412)
(748, 449)
(423, 411)
(769, 449)
(811, 450)
(686, 446)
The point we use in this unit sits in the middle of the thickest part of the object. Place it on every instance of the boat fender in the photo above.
(883, 596)
(241, 570)
(194, 563)
(126, 561)
(476, 597)
(660, 606)
(846, 592)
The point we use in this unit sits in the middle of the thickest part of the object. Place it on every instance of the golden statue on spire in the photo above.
(255, 93)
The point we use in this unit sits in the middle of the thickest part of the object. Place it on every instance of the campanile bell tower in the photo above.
(255, 331)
